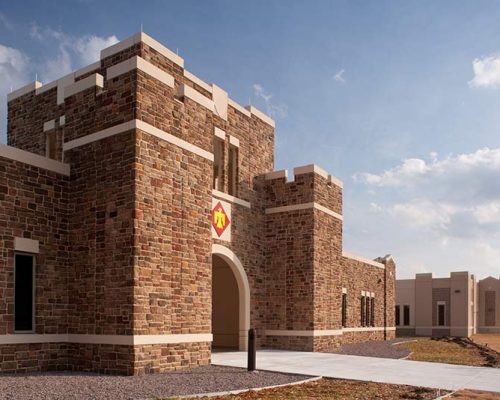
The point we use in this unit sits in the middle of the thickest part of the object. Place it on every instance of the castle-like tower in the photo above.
(143, 224)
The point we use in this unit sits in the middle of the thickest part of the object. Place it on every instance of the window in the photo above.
(232, 171)
(362, 310)
(51, 145)
(372, 311)
(441, 313)
(397, 315)
(406, 315)
(344, 310)
(24, 306)
(218, 178)
(367, 313)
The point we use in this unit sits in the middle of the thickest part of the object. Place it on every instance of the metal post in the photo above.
(252, 349)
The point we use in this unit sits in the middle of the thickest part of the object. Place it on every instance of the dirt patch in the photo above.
(446, 350)
(337, 389)
(491, 356)
(474, 395)
(490, 340)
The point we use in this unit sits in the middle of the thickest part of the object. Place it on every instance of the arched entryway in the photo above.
(230, 300)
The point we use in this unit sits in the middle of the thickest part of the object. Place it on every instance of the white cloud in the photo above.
(73, 52)
(339, 76)
(443, 212)
(64, 53)
(272, 108)
(14, 72)
(486, 72)
(89, 47)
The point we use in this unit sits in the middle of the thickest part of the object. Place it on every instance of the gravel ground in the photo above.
(83, 386)
(381, 349)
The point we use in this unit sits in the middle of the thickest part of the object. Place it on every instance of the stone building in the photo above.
(142, 223)
(454, 306)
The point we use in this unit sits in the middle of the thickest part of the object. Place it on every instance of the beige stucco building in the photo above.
(454, 306)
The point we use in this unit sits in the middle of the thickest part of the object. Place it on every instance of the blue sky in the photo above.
(399, 99)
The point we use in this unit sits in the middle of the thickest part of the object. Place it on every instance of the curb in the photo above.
(257, 389)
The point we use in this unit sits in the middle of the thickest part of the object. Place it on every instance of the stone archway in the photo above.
(243, 289)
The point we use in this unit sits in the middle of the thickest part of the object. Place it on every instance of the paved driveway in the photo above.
(434, 375)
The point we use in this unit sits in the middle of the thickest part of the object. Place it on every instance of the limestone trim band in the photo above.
(143, 126)
(35, 160)
(324, 332)
(362, 259)
(231, 199)
(129, 340)
(312, 333)
(436, 327)
(370, 329)
(304, 206)
(141, 64)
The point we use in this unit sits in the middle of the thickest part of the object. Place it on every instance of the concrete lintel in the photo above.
(26, 245)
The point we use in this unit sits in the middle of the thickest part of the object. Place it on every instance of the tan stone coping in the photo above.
(35, 160)
(143, 126)
(304, 206)
(141, 64)
(30, 87)
(144, 38)
(88, 68)
(231, 199)
(131, 340)
(239, 107)
(277, 175)
(193, 78)
(362, 259)
(83, 84)
(259, 114)
(313, 168)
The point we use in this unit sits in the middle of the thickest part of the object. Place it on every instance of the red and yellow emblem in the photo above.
(220, 220)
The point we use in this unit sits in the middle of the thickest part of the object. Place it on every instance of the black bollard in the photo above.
(252, 350)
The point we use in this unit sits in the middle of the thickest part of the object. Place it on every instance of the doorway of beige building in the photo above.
(230, 301)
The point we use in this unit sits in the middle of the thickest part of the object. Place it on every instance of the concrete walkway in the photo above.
(416, 373)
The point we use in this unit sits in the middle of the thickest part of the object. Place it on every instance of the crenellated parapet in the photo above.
(312, 187)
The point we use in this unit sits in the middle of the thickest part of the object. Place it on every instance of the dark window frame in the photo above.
(233, 160)
(33, 298)
(363, 310)
(372, 311)
(397, 315)
(439, 307)
(344, 310)
(406, 315)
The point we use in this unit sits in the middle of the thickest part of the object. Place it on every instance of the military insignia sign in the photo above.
(221, 212)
